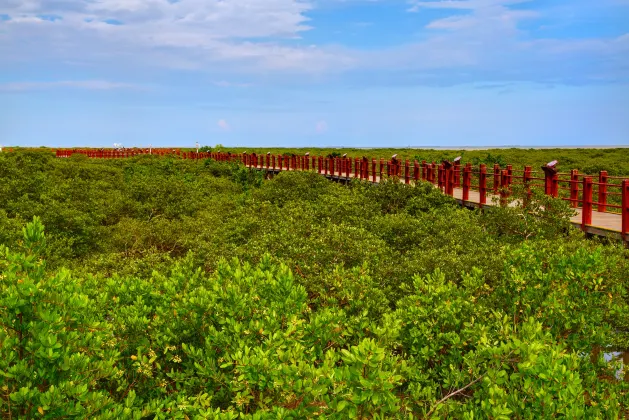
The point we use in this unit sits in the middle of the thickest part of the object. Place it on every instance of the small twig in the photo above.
(452, 394)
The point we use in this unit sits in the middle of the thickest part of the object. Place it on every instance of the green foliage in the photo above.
(195, 289)
(529, 214)
(490, 160)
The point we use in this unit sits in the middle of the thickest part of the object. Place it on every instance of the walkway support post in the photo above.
(424, 167)
(587, 203)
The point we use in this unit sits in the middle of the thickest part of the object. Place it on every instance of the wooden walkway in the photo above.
(603, 224)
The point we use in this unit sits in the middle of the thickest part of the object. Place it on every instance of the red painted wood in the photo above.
(602, 191)
(587, 202)
(625, 209)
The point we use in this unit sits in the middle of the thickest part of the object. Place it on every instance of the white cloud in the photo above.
(254, 40)
(462, 4)
(223, 125)
(188, 34)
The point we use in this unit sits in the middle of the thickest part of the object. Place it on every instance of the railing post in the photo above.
(504, 187)
(625, 209)
(574, 188)
(373, 170)
(526, 180)
(602, 191)
(509, 175)
(482, 184)
(415, 171)
(447, 178)
(587, 203)
(424, 170)
(407, 174)
(467, 182)
(362, 168)
(456, 173)
(551, 179)
(496, 178)
(381, 168)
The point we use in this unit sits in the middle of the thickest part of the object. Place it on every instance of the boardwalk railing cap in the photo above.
(307, 153)
(457, 159)
(345, 155)
(394, 156)
(268, 153)
(550, 167)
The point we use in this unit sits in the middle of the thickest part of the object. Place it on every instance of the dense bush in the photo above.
(166, 288)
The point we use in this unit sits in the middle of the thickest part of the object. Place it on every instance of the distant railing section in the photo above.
(604, 193)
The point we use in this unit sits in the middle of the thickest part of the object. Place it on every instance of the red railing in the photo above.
(611, 193)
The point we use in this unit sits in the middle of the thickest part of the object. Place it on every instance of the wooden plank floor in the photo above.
(603, 224)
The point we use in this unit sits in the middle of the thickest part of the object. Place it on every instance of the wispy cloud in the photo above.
(321, 127)
(257, 41)
(77, 84)
(226, 84)
(223, 125)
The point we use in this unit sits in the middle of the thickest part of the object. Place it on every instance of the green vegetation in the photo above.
(588, 161)
(165, 288)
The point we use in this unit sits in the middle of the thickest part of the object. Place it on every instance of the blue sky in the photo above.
(314, 72)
